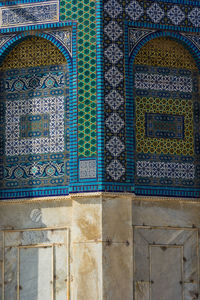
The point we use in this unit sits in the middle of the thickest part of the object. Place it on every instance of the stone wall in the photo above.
(35, 250)
(100, 246)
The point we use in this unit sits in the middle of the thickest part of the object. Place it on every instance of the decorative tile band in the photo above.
(115, 111)
(28, 14)
(34, 192)
(164, 13)
(165, 170)
(35, 172)
(163, 82)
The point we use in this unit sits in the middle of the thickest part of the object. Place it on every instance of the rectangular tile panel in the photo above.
(28, 14)
(164, 126)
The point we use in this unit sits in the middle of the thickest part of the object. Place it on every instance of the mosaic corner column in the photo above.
(85, 14)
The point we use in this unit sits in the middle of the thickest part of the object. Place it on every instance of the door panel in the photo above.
(34, 264)
(165, 263)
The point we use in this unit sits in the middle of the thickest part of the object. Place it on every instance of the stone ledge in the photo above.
(106, 195)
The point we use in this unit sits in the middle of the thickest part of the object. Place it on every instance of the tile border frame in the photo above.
(23, 33)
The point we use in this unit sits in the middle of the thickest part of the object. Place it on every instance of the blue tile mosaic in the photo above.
(63, 40)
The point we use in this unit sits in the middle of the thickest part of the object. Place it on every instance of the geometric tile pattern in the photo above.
(114, 99)
(113, 53)
(115, 146)
(194, 16)
(113, 30)
(115, 169)
(176, 15)
(135, 10)
(115, 123)
(34, 123)
(84, 13)
(20, 55)
(149, 139)
(19, 115)
(155, 13)
(163, 82)
(113, 8)
(165, 52)
(113, 76)
(87, 169)
(165, 170)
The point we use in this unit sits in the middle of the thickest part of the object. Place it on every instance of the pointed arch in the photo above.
(180, 38)
(18, 38)
(36, 111)
(165, 185)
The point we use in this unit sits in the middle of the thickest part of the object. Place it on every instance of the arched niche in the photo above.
(166, 118)
(34, 103)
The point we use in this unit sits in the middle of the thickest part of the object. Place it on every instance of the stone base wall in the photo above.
(99, 246)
